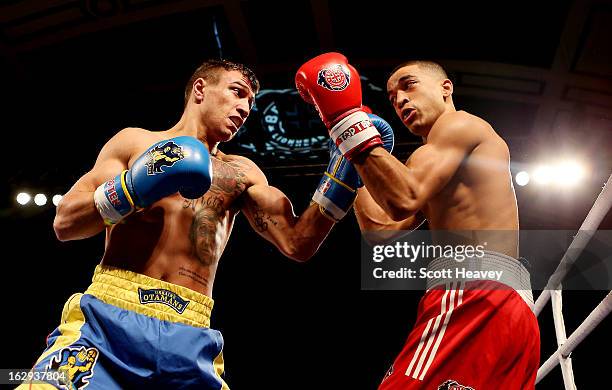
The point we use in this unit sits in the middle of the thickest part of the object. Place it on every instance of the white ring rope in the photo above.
(600, 208)
(587, 230)
(596, 316)
(565, 362)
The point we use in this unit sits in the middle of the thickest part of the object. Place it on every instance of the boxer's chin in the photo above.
(227, 134)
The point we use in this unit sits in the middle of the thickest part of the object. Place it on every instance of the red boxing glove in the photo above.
(330, 83)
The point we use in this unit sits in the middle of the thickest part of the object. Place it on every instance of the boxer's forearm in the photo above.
(390, 183)
(76, 216)
(370, 216)
(375, 224)
(308, 233)
(270, 213)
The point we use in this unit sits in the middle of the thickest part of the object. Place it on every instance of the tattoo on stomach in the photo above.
(193, 276)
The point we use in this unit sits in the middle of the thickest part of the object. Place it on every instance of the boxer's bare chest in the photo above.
(178, 239)
(211, 216)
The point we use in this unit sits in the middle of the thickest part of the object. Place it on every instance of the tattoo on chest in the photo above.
(209, 228)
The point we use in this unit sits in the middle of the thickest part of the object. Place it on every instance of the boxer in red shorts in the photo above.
(468, 335)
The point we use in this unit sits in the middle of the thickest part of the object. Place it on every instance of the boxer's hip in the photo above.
(470, 331)
(491, 271)
(151, 297)
(128, 330)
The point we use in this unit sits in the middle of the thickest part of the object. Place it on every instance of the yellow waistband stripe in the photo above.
(151, 297)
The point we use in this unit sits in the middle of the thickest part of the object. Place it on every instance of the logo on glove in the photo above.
(163, 155)
(325, 185)
(334, 78)
(353, 130)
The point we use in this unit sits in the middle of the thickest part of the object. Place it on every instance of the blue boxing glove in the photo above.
(180, 164)
(385, 130)
(337, 189)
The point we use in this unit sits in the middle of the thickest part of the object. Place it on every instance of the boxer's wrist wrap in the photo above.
(324, 212)
(113, 200)
(355, 134)
(334, 197)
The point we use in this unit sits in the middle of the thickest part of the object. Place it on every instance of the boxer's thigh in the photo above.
(191, 357)
(74, 350)
(467, 338)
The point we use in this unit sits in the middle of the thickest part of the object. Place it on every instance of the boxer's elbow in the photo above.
(399, 211)
(74, 224)
(402, 203)
(62, 229)
(299, 251)
(301, 255)
(67, 230)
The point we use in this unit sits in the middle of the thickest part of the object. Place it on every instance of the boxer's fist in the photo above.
(180, 164)
(337, 189)
(333, 86)
(385, 130)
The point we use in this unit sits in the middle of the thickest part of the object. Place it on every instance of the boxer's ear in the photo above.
(447, 88)
(198, 89)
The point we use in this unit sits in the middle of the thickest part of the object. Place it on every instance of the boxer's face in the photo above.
(417, 96)
(226, 104)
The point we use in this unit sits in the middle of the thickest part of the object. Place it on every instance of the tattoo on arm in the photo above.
(262, 219)
(258, 216)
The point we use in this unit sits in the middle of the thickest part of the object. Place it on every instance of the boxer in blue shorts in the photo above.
(167, 202)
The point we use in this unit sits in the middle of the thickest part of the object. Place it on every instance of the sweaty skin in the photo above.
(458, 180)
(181, 240)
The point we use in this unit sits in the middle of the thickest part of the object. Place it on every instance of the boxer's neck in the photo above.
(191, 125)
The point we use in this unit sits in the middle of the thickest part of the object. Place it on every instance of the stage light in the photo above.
(40, 199)
(522, 178)
(569, 173)
(56, 199)
(23, 198)
(543, 174)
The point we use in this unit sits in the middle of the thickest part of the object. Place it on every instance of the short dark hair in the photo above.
(209, 71)
(430, 66)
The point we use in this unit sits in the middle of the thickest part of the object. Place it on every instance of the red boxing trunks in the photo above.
(471, 334)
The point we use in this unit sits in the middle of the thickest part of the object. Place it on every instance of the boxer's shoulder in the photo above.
(460, 127)
(131, 138)
(244, 166)
(135, 134)
(461, 120)
(123, 145)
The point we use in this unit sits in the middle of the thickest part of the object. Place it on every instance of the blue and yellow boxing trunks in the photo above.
(130, 331)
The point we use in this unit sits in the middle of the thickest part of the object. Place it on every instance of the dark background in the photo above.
(73, 73)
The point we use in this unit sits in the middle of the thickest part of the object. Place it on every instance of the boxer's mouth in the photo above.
(407, 113)
(237, 121)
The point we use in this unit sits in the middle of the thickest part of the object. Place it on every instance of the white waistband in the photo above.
(514, 274)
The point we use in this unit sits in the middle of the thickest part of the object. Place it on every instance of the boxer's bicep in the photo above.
(434, 167)
(269, 212)
(76, 216)
(112, 159)
(435, 163)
